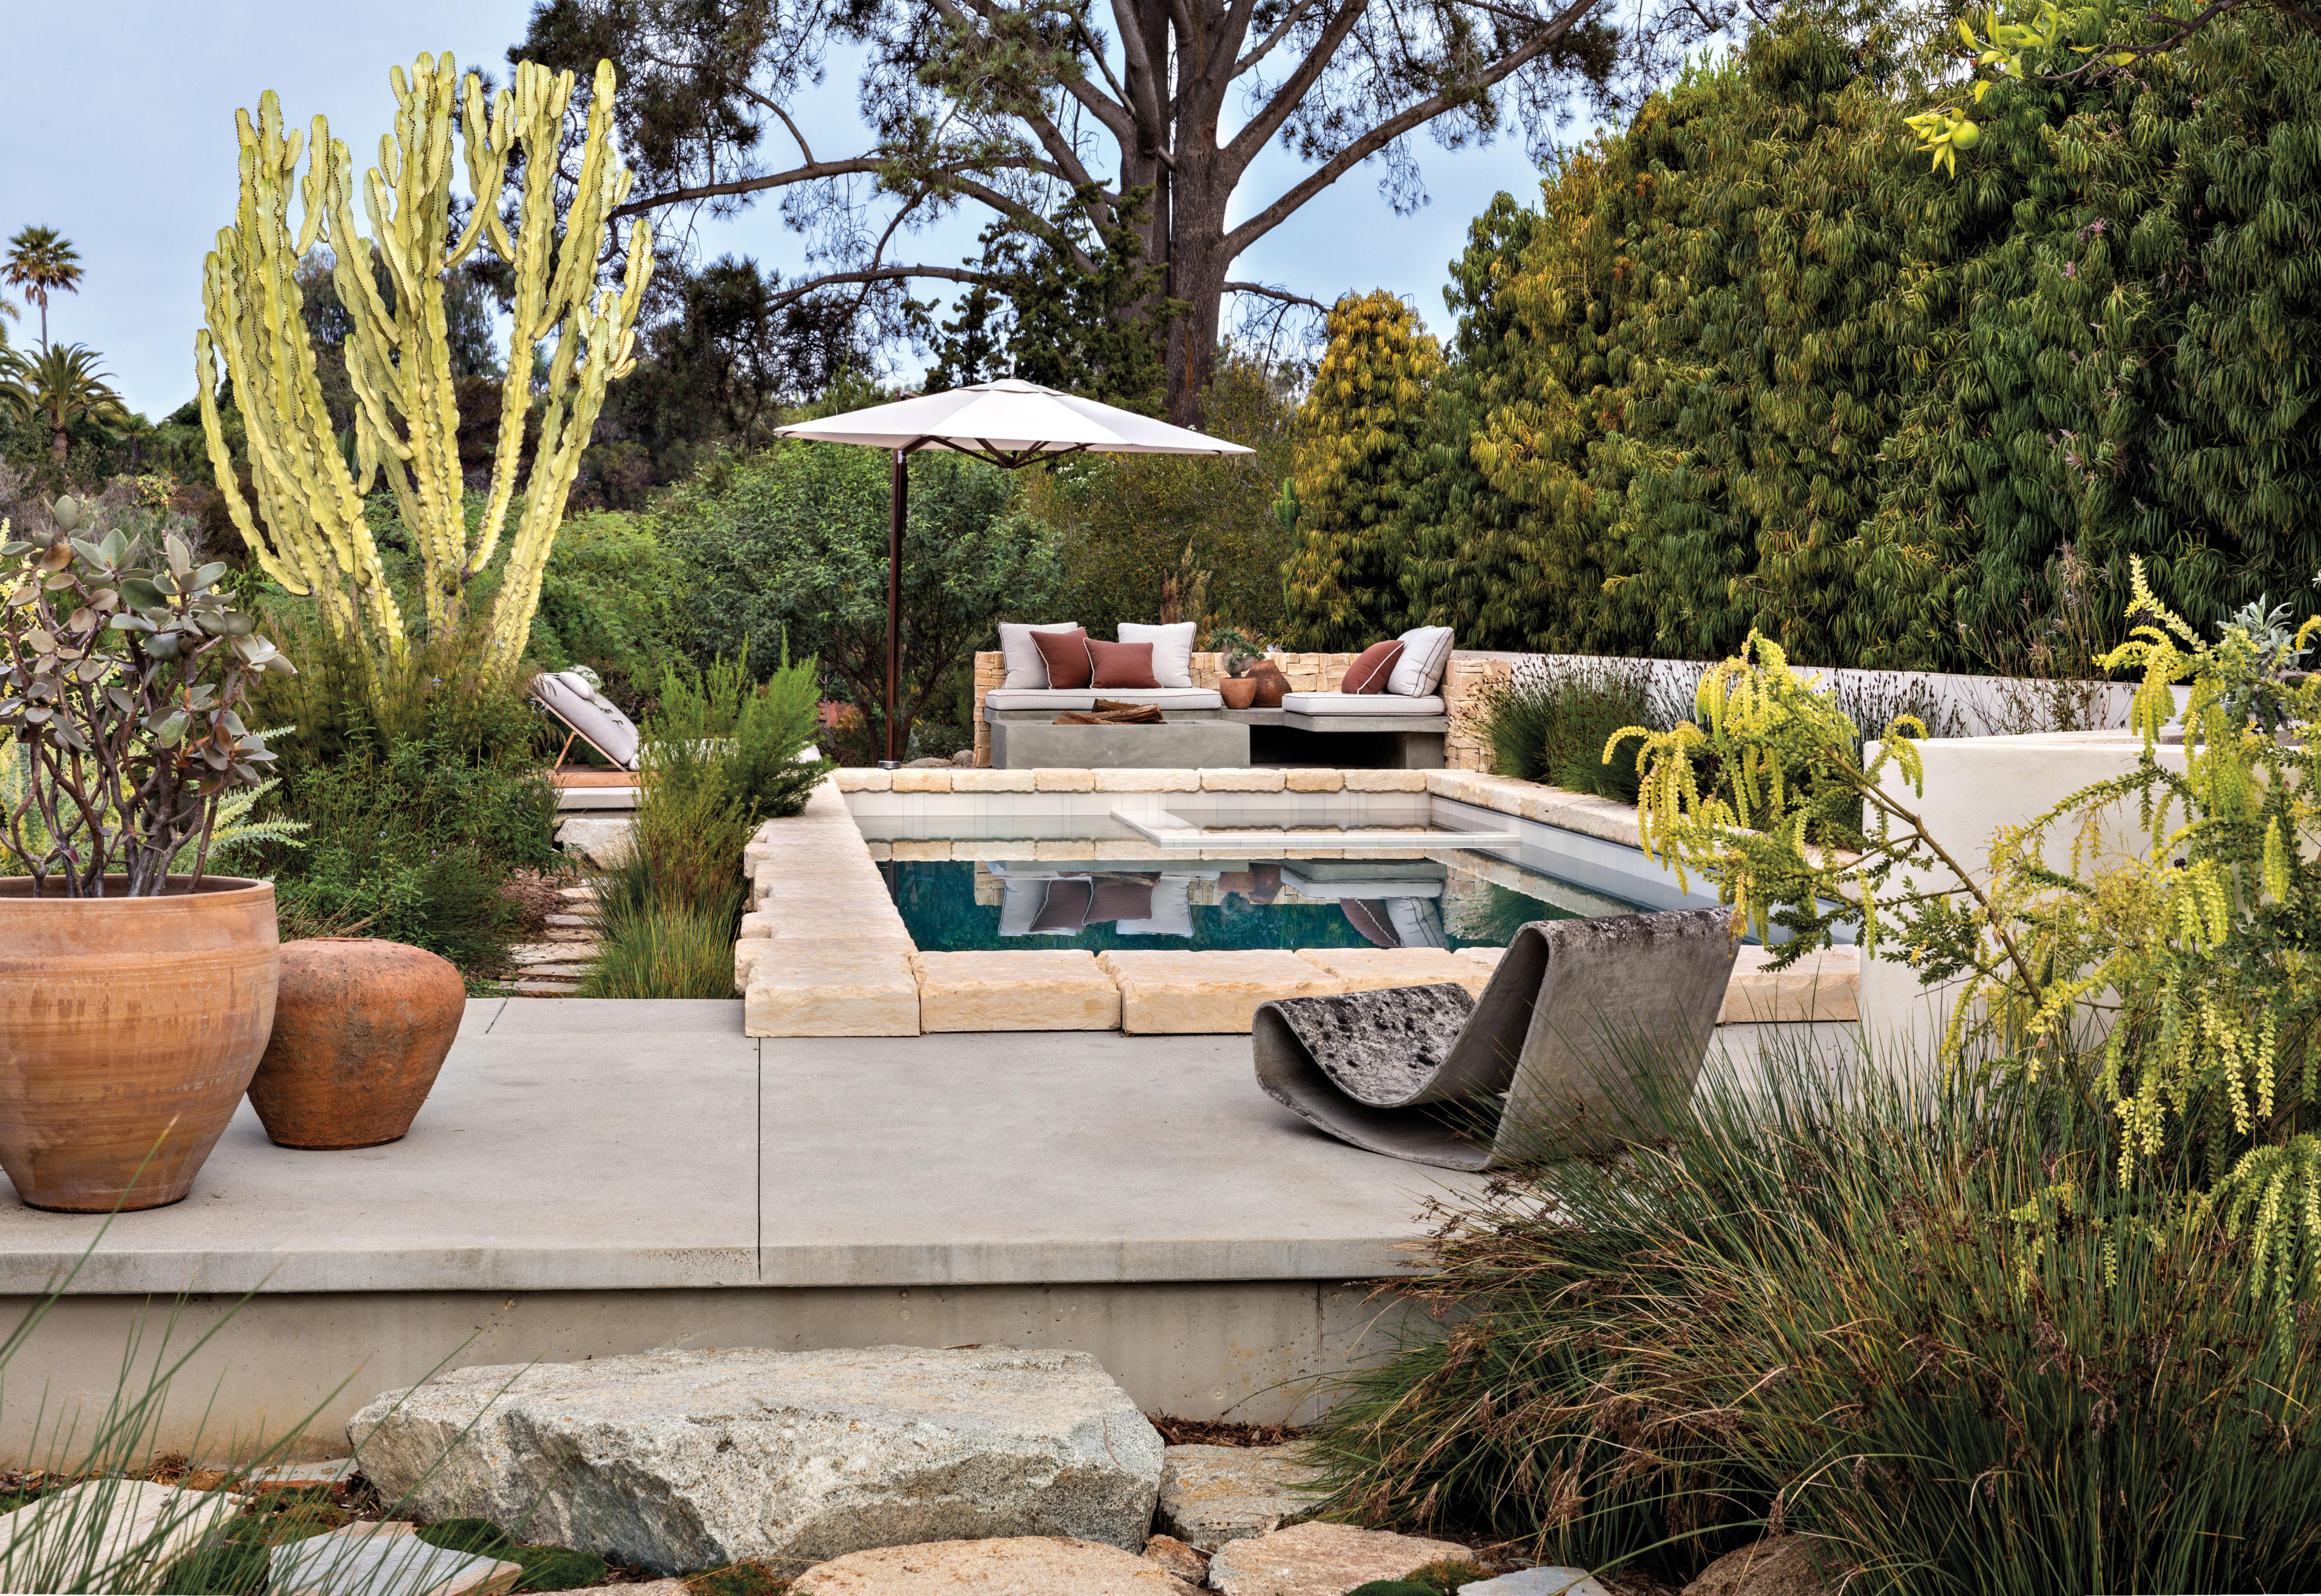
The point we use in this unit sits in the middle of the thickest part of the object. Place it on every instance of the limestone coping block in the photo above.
(1823, 985)
(922, 847)
(1049, 778)
(994, 847)
(1386, 781)
(1064, 848)
(864, 781)
(1366, 969)
(991, 781)
(835, 991)
(1488, 957)
(1316, 781)
(1174, 993)
(920, 781)
(1049, 989)
(878, 852)
(1156, 780)
(1242, 781)
(1021, 1566)
(754, 925)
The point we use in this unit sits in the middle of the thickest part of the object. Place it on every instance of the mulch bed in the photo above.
(1217, 1432)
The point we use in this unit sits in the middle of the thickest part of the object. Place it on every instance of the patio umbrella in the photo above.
(1008, 422)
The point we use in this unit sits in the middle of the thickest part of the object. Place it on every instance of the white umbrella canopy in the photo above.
(1009, 423)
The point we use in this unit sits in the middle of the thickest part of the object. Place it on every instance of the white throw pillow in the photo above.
(1425, 651)
(1025, 666)
(1172, 649)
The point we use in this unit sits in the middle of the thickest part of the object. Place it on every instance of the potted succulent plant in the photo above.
(1237, 651)
(136, 991)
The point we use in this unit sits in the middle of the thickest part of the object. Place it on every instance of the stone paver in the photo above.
(1052, 988)
(1165, 993)
(1539, 1582)
(382, 1560)
(684, 1459)
(59, 1542)
(1210, 1495)
(1321, 1560)
(1367, 968)
(834, 991)
(1024, 1565)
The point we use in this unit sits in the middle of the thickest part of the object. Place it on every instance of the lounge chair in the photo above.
(1430, 1074)
(572, 700)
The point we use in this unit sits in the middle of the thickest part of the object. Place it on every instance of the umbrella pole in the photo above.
(899, 498)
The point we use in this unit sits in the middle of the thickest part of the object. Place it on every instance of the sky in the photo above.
(126, 145)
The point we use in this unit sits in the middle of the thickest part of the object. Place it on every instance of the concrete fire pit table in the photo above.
(1173, 745)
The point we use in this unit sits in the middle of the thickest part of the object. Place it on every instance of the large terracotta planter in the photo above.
(1238, 691)
(1270, 685)
(129, 1029)
(360, 1033)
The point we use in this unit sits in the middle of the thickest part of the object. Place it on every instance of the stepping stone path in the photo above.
(555, 967)
(688, 1459)
(382, 1560)
(1210, 1495)
(1030, 1565)
(1539, 1582)
(61, 1541)
(1321, 1560)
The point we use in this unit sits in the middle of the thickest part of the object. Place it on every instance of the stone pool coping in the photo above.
(824, 952)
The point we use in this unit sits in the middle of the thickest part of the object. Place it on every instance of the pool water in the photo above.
(962, 906)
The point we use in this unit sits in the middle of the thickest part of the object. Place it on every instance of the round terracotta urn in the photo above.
(1270, 684)
(361, 1030)
(1238, 691)
(129, 1029)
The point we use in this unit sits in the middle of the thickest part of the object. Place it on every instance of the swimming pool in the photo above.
(1198, 905)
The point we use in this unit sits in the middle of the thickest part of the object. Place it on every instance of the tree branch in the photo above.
(797, 291)
(1417, 116)
(1260, 128)
(1283, 295)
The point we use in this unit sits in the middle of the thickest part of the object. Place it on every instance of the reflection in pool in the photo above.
(958, 906)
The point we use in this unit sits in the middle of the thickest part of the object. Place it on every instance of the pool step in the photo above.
(1172, 831)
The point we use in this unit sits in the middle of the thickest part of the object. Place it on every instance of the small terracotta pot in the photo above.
(359, 1032)
(129, 1027)
(1239, 692)
(1268, 685)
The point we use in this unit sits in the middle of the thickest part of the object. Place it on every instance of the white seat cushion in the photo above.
(1356, 703)
(574, 700)
(1425, 651)
(1084, 698)
(1172, 649)
(1027, 667)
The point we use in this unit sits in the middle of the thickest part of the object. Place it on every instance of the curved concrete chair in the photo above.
(1430, 1074)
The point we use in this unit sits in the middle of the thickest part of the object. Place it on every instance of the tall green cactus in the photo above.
(309, 532)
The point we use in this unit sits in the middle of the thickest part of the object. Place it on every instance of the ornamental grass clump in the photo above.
(123, 670)
(1928, 1328)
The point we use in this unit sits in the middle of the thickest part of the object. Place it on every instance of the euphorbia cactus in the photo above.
(122, 679)
(309, 533)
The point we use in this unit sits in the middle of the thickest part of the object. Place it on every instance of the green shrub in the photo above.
(560, 1568)
(1551, 725)
(615, 600)
(766, 728)
(736, 1579)
(680, 950)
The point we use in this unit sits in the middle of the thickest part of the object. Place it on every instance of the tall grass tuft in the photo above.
(1925, 1327)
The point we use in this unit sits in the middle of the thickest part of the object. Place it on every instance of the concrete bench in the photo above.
(1175, 744)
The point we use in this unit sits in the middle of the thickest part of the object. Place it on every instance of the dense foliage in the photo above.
(1751, 364)
(788, 550)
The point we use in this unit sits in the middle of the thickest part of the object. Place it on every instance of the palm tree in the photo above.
(41, 260)
(60, 387)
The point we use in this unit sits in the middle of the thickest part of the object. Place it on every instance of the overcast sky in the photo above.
(124, 112)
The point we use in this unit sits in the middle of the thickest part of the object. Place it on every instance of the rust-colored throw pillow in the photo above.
(1120, 665)
(1372, 667)
(1067, 655)
(1121, 899)
(1064, 907)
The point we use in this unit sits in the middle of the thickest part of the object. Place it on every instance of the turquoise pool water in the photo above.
(958, 906)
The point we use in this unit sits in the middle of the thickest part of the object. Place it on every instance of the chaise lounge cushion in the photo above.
(1357, 704)
(1172, 649)
(1056, 698)
(574, 700)
(1426, 652)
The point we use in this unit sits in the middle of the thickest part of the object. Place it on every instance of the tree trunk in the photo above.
(57, 445)
(1198, 265)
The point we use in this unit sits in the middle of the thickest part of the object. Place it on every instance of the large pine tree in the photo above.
(1360, 457)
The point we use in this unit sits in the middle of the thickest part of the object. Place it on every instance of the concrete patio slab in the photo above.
(596, 1177)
